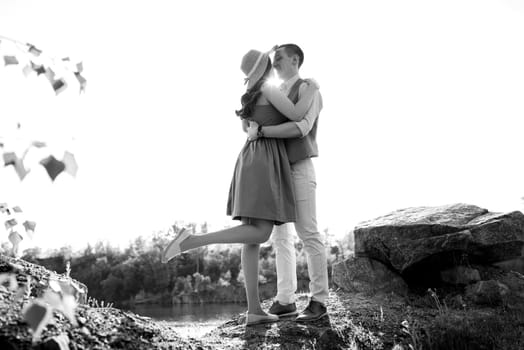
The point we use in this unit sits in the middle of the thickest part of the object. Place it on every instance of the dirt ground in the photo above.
(358, 321)
(422, 320)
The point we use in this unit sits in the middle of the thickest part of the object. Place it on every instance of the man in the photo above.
(301, 146)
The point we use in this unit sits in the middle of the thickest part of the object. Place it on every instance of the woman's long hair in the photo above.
(249, 99)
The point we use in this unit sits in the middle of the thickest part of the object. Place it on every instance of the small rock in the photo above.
(516, 264)
(460, 275)
(515, 282)
(487, 292)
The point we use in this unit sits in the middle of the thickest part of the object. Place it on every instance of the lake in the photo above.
(191, 320)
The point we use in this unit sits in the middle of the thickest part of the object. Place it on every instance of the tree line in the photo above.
(134, 274)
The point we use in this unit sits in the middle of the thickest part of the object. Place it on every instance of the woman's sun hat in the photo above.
(254, 64)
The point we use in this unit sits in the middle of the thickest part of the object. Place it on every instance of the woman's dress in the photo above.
(262, 186)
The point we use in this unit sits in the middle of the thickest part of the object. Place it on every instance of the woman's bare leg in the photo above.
(254, 231)
(251, 233)
(250, 255)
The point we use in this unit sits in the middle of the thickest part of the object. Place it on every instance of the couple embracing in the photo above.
(274, 185)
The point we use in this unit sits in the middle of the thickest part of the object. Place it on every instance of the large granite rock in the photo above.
(419, 242)
(363, 275)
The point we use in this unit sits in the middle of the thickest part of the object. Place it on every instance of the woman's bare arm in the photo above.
(281, 102)
(245, 124)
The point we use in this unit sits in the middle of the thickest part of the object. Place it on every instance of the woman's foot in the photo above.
(173, 248)
(254, 319)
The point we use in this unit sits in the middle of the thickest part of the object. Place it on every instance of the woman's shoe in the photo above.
(173, 248)
(252, 319)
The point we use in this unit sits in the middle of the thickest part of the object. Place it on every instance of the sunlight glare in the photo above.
(274, 81)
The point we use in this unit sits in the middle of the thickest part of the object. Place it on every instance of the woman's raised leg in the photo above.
(251, 231)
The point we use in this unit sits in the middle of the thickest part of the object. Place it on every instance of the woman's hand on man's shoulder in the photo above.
(312, 82)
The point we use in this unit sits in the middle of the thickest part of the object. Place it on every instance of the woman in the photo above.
(261, 192)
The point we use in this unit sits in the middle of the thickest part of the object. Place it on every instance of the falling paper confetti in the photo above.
(50, 74)
(53, 166)
(20, 169)
(62, 302)
(29, 227)
(69, 160)
(63, 64)
(14, 219)
(8, 60)
(10, 223)
(27, 70)
(69, 287)
(15, 238)
(59, 85)
(35, 60)
(10, 158)
(37, 315)
(52, 298)
(38, 144)
(82, 81)
(68, 308)
(38, 68)
(34, 50)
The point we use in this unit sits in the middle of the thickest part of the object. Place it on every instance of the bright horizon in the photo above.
(422, 106)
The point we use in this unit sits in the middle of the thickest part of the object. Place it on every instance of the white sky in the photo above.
(423, 106)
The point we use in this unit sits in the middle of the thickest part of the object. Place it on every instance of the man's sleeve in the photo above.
(306, 124)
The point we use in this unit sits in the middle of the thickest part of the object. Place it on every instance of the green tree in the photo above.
(112, 287)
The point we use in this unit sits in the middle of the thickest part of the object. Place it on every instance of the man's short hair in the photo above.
(292, 49)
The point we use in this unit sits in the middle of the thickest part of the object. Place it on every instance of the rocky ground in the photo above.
(98, 327)
(476, 300)
(355, 321)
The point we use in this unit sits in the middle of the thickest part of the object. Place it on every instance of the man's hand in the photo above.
(252, 131)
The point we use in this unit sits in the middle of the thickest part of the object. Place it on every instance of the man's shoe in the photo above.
(283, 310)
(313, 312)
